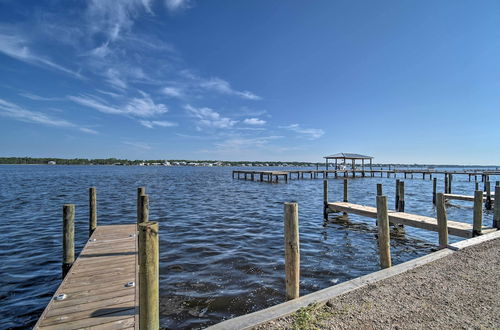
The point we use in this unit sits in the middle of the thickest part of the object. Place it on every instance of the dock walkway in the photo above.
(455, 228)
(101, 289)
(274, 175)
(465, 197)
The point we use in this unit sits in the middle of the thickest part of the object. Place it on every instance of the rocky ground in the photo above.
(460, 291)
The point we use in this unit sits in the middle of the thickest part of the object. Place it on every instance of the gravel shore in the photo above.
(460, 291)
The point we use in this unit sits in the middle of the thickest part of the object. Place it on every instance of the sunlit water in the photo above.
(221, 239)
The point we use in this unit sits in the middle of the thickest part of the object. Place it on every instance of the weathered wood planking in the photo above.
(464, 197)
(419, 221)
(97, 295)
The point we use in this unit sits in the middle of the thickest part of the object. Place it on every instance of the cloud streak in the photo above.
(209, 118)
(137, 106)
(311, 133)
(15, 46)
(17, 112)
(254, 121)
(153, 123)
(222, 86)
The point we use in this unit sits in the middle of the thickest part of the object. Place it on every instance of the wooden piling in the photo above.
(149, 302)
(379, 189)
(496, 209)
(442, 221)
(92, 210)
(478, 213)
(396, 198)
(434, 190)
(68, 238)
(383, 232)
(140, 191)
(325, 199)
(450, 180)
(346, 191)
(487, 203)
(292, 251)
(401, 204)
(446, 183)
(144, 209)
(477, 186)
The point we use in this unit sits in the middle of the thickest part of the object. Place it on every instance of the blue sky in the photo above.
(403, 81)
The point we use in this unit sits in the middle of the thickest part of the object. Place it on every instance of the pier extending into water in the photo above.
(275, 175)
(114, 282)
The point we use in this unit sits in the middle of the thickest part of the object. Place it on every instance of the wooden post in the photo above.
(397, 195)
(325, 199)
(442, 221)
(478, 213)
(92, 210)
(383, 232)
(450, 179)
(144, 209)
(446, 183)
(477, 186)
(434, 189)
(68, 238)
(346, 191)
(487, 203)
(149, 302)
(496, 209)
(292, 251)
(140, 191)
(379, 189)
(401, 206)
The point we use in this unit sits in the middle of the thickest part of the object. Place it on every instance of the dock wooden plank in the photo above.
(465, 197)
(95, 287)
(419, 221)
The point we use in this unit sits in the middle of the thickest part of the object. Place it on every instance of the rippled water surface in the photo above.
(221, 239)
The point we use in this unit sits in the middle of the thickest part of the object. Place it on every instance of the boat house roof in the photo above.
(344, 155)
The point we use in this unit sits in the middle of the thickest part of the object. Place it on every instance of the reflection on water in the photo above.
(221, 240)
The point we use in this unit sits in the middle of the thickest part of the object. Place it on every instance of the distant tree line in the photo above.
(114, 161)
(117, 161)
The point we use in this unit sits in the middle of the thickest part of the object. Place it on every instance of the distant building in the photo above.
(51, 162)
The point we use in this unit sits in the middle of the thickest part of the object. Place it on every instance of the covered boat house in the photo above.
(348, 156)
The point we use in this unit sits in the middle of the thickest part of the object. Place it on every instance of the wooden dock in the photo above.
(465, 197)
(268, 176)
(273, 176)
(101, 289)
(455, 228)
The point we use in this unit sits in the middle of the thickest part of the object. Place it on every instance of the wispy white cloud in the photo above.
(108, 93)
(173, 92)
(137, 106)
(115, 78)
(153, 123)
(176, 5)
(254, 121)
(35, 97)
(88, 130)
(239, 143)
(114, 17)
(17, 112)
(138, 145)
(223, 87)
(312, 133)
(17, 47)
(207, 117)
